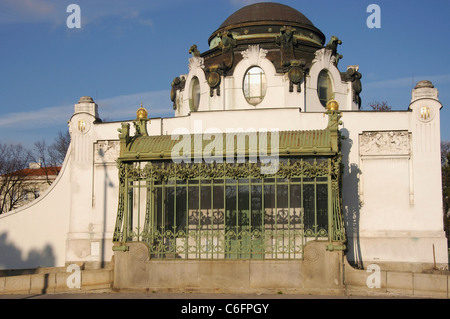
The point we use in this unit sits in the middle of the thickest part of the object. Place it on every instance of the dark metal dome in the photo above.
(265, 12)
(265, 19)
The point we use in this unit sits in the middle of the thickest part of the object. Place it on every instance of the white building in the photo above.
(267, 79)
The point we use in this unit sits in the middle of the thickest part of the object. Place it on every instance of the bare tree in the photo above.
(380, 106)
(14, 159)
(58, 149)
(445, 151)
(43, 157)
(51, 156)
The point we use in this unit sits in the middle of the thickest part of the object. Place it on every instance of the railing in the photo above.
(226, 244)
(244, 217)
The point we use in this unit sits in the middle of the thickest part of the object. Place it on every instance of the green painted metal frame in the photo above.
(157, 174)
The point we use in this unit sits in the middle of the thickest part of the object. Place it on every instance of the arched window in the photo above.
(254, 85)
(194, 99)
(324, 87)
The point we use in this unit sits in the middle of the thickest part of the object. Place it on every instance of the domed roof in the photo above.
(265, 19)
(424, 84)
(265, 12)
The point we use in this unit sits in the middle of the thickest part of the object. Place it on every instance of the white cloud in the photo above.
(55, 11)
(38, 118)
(122, 107)
(32, 11)
(157, 104)
(407, 82)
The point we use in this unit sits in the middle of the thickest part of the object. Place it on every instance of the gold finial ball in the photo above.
(142, 113)
(332, 105)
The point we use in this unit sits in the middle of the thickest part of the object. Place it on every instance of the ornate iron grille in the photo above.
(228, 211)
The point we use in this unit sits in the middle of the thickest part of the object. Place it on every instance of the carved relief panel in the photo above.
(384, 143)
(385, 166)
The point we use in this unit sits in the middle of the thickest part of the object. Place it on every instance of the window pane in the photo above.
(194, 100)
(158, 207)
(243, 205)
(218, 197)
(169, 208)
(254, 85)
(269, 205)
(230, 204)
(230, 193)
(206, 214)
(296, 205)
(181, 208)
(324, 87)
(282, 204)
(194, 214)
(308, 204)
(205, 192)
(322, 209)
(218, 207)
(257, 216)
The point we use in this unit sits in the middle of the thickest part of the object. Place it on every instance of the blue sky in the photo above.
(128, 51)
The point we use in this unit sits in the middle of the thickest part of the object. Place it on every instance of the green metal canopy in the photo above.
(284, 143)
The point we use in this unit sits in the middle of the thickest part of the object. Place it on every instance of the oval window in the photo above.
(324, 87)
(254, 85)
(194, 100)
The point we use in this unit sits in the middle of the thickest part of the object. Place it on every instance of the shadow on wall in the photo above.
(11, 256)
(108, 183)
(352, 204)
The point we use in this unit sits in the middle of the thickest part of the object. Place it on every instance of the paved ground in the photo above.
(188, 296)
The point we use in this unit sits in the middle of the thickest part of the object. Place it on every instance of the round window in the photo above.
(194, 100)
(255, 85)
(324, 87)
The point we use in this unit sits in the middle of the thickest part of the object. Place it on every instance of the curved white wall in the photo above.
(35, 235)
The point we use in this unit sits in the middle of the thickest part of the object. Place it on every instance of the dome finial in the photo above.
(142, 113)
(332, 105)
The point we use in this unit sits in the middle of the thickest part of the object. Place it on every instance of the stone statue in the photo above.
(332, 45)
(355, 77)
(286, 41)
(177, 85)
(227, 44)
(194, 51)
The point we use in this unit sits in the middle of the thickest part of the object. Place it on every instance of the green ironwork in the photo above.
(231, 210)
(143, 147)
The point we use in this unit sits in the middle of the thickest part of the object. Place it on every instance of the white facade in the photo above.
(391, 191)
(277, 94)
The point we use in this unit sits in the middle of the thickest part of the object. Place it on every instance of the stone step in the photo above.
(57, 280)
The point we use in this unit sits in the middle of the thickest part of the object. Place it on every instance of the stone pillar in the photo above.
(81, 245)
(426, 174)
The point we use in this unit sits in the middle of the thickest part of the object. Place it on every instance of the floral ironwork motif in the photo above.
(165, 171)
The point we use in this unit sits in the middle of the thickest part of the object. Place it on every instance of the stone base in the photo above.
(400, 251)
(320, 271)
